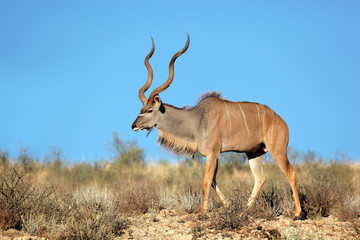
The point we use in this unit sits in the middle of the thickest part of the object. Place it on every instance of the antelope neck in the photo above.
(177, 122)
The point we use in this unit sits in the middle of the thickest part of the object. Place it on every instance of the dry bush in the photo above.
(329, 190)
(232, 217)
(321, 194)
(270, 203)
(19, 199)
(137, 197)
(92, 214)
(232, 220)
(349, 209)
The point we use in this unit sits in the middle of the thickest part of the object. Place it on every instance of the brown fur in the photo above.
(176, 145)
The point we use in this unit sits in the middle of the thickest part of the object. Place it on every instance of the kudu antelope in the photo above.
(217, 125)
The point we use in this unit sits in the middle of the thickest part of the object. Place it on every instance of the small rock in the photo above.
(125, 236)
(187, 237)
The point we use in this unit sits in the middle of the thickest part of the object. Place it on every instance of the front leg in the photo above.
(210, 169)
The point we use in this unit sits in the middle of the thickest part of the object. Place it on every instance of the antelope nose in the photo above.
(135, 127)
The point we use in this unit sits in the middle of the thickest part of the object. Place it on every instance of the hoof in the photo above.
(226, 205)
(203, 213)
(301, 218)
(202, 217)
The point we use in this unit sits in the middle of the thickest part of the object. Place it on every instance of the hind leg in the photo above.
(255, 163)
(279, 153)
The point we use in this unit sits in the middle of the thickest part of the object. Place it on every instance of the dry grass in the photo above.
(94, 201)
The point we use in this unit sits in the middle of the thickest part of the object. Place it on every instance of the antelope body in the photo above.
(217, 125)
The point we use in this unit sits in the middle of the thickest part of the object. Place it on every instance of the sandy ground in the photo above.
(169, 224)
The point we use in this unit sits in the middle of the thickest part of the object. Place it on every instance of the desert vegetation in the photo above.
(54, 199)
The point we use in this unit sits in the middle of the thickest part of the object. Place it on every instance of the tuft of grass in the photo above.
(32, 224)
(190, 201)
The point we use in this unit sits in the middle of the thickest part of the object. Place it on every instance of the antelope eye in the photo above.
(149, 111)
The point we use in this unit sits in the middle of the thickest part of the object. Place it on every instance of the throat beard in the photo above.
(176, 145)
(149, 131)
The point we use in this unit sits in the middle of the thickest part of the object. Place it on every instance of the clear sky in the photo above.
(70, 71)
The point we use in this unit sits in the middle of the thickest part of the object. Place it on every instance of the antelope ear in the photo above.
(157, 99)
(159, 104)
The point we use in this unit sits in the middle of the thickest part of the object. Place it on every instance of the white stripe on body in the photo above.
(227, 111)
(258, 111)
(247, 128)
(273, 123)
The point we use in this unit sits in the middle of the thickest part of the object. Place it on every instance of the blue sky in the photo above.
(70, 70)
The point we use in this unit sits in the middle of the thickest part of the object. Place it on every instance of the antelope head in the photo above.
(153, 107)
